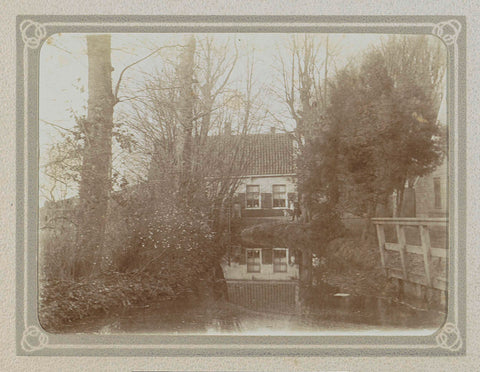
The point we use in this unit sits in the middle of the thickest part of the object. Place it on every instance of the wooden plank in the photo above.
(401, 242)
(405, 221)
(439, 252)
(396, 247)
(418, 279)
(392, 247)
(381, 245)
(437, 283)
(417, 249)
(427, 255)
(440, 283)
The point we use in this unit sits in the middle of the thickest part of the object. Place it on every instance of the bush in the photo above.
(66, 301)
(155, 247)
(166, 239)
(57, 254)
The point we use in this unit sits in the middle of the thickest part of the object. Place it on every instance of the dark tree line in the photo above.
(379, 130)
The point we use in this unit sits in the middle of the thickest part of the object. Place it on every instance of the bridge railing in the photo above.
(413, 243)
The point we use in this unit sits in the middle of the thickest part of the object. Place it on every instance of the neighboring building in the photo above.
(431, 193)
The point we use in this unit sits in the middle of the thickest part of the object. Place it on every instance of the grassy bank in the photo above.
(64, 301)
(353, 266)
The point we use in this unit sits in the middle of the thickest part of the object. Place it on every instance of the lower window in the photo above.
(253, 260)
(279, 260)
(279, 193)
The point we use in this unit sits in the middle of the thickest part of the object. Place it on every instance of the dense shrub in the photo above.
(65, 301)
(162, 237)
(154, 247)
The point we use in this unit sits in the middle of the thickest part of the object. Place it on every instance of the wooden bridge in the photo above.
(415, 251)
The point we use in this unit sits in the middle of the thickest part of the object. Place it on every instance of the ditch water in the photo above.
(329, 313)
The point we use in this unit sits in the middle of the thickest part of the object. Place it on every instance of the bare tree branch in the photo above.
(117, 87)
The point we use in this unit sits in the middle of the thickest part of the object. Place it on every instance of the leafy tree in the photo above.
(382, 129)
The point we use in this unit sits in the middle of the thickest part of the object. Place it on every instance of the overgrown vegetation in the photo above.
(65, 301)
(362, 134)
(165, 227)
(157, 251)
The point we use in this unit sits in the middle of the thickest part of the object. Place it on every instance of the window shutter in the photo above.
(266, 200)
(266, 256)
(241, 199)
(243, 257)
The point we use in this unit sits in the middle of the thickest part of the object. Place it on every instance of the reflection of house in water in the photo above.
(259, 276)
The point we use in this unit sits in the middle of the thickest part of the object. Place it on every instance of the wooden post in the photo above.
(427, 254)
(381, 246)
(402, 243)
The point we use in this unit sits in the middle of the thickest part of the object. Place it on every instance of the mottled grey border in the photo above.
(33, 340)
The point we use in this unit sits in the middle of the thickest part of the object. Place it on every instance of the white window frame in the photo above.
(259, 197)
(286, 259)
(259, 257)
(286, 196)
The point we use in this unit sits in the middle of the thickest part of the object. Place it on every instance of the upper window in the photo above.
(253, 196)
(437, 193)
(279, 196)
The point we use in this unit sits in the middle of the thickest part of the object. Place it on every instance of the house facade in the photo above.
(266, 193)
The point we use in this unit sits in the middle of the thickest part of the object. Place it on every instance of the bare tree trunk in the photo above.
(95, 181)
(187, 98)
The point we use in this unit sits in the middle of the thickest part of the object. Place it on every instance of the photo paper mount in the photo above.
(448, 340)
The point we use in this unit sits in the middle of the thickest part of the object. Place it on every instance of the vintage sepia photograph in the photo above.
(242, 183)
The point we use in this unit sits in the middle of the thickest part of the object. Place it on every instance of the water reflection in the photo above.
(327, 313)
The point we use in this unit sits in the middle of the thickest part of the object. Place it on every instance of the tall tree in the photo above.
(305, 96)
(95, 174)
(382, 115)
(185, 71)
(216, 112)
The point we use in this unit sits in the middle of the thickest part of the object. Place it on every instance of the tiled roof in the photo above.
(269, 154)
(247, 155)
(258, 154)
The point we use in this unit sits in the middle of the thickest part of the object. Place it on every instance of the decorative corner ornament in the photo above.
(448, 31)
(449, 337)
(32, 33)
(33, 339)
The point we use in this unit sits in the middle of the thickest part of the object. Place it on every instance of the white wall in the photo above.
(267, 182)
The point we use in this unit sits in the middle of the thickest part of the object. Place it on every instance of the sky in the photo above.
(64, 66)
(64, 70)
